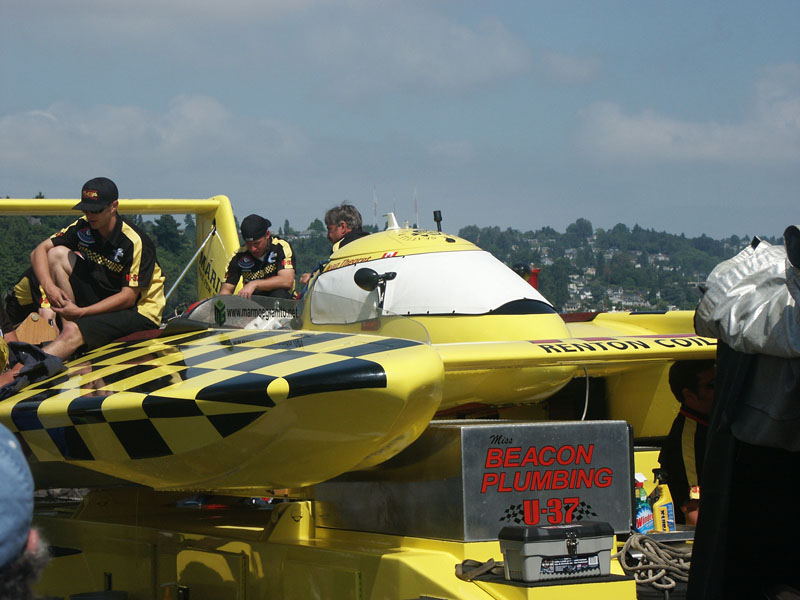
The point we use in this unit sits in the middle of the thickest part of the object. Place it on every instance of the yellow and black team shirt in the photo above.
(126, 259)
(245, 266)
(27, 290)
(682, 456)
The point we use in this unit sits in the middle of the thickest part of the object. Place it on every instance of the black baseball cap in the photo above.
(96, 194)
(254, 227)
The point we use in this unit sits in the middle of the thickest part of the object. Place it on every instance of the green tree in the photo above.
(166, 233)
(287, 229)
(471, 233)
(554, 282)
(582, 228)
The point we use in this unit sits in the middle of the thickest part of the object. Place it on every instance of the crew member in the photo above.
(266, 267)
(692, 383)
(100, 274)
(6, 326)
(22, 555)
(344, 225)
(26, 297)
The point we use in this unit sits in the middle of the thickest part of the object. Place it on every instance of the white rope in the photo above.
(660, 565)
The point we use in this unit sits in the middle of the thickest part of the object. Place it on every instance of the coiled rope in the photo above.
(660, 565)
(472, 569)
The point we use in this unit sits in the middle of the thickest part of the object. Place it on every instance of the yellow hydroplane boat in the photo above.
(339, 401)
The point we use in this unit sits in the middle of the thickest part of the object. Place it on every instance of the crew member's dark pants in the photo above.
(98, 330)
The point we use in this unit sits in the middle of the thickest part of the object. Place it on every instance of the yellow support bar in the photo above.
(210, 213)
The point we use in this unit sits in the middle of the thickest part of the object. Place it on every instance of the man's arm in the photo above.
(232, 276)
(125, 298)
(690, 511)
(41, 267)
(282, 280)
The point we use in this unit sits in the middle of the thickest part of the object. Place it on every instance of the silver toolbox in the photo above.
(550, 552)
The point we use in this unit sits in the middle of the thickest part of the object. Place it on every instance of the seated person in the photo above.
(25, 298)
(692, 383)
(344, 225)
(6, 326)
(266, 267)
(100, 274)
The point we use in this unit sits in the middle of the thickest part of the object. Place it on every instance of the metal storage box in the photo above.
(550, 552)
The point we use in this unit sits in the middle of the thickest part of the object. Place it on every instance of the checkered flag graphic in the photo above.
(583, 511)
(513, 514)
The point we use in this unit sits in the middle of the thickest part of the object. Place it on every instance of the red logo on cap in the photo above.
(90, 194)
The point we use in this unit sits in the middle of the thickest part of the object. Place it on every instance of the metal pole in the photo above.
(203, 245)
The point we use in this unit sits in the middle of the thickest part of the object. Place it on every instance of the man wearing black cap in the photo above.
(100, 274)
(266, 268)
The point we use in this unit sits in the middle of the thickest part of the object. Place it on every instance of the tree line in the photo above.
(662, 267)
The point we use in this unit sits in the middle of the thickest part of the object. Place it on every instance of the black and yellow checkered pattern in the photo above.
(159, 397)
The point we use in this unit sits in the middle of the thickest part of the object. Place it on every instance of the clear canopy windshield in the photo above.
(347, 315)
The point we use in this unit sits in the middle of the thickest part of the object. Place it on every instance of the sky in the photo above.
(678, 116)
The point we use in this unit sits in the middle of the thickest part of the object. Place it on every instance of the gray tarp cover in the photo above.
(750, 304)
(750, 301)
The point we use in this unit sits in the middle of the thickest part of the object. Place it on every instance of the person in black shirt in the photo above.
(6, 326)
(692, 383)
(26, 297)
(100, 274)
(266, 267)
(344, 225)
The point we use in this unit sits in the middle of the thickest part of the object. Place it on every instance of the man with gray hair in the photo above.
(344, 225)
(22, 555)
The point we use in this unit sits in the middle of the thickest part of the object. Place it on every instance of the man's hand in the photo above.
(690, 511)
(248, 289)
(70, 310)
(56, 296)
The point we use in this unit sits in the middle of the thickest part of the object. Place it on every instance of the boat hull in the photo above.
(234, 410)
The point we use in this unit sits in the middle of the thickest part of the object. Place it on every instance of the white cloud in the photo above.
(195, 130)
(770, 135)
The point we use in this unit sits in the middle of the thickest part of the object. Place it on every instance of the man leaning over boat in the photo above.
(265, 266)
